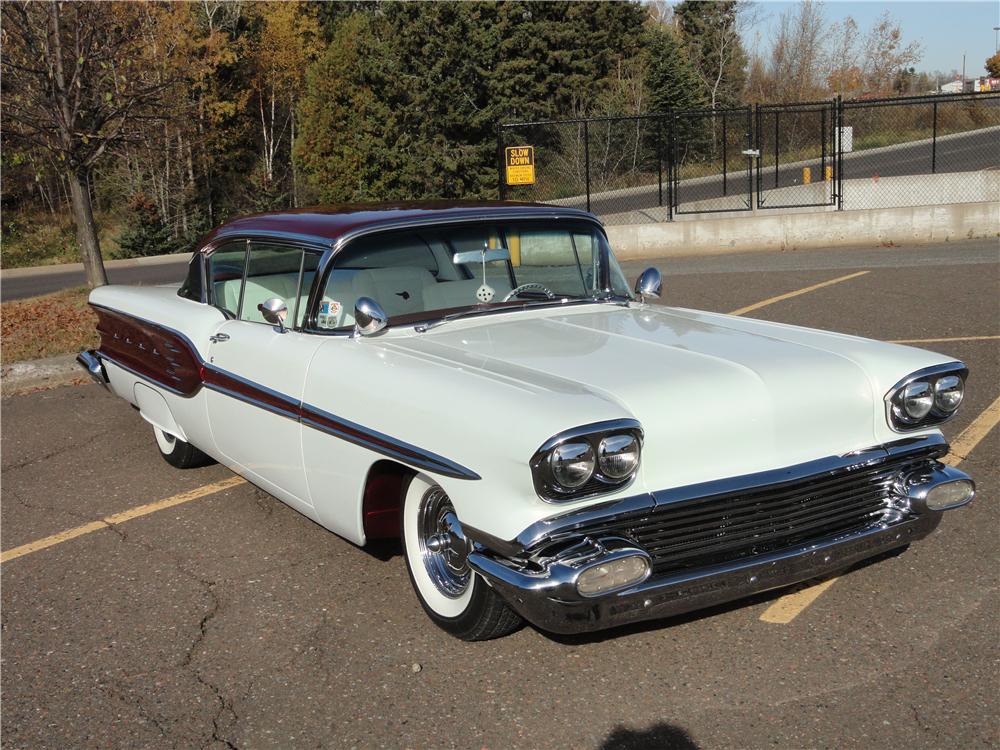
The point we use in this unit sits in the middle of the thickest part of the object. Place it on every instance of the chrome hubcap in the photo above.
(443, 546)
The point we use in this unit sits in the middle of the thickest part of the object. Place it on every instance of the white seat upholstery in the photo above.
(262, 288)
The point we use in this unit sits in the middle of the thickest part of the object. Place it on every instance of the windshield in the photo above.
(418, 274)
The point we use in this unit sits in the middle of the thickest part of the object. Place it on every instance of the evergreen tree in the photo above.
(709, 31)
(145, 233)
(671, 79)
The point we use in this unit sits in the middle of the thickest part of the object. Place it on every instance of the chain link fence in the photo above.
(825, 155)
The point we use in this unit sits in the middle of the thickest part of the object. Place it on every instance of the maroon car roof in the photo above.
(330, 223)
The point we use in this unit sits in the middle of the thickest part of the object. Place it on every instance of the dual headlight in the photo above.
(589, 460)
(927, 397)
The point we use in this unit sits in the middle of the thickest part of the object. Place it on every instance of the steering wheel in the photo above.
(530, 285)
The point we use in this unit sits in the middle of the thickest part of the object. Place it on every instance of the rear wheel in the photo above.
(451, 593)
(178, 453)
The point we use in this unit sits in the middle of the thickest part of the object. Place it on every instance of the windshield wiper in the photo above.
(422, 327)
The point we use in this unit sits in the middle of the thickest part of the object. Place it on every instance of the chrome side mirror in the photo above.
(274, 311)
(649, 284)
(369, 317)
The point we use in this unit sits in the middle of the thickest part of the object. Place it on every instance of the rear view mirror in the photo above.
(274, 311)
(369, 317)
(480, 256)
(649, 284)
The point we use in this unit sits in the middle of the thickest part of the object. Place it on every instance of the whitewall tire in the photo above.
(452, 595)
(178, 453)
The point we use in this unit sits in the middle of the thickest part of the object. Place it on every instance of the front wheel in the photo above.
(177, 453)
(451, 593)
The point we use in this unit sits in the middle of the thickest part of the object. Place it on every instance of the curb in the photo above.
(40, 374)
(152, 260)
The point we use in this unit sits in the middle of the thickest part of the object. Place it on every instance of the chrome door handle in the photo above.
(219, 338)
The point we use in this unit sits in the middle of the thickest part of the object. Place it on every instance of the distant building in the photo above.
(952, 87)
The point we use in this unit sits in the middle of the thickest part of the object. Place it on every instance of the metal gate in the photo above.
(797, 157)
(711, 161)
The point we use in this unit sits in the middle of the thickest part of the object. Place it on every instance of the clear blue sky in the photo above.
(945, 29)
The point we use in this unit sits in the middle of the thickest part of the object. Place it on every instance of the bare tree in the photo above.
(885, 54)
(72, 82)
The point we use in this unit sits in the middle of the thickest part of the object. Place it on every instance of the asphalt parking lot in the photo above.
(232, 621)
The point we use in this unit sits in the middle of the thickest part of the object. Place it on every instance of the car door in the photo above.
(256, 371)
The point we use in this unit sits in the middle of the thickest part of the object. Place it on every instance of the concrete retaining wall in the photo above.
(790, 231)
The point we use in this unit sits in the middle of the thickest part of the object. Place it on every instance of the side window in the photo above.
(226, 265)
(282, 271)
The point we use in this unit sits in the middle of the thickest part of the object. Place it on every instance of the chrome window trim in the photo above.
(932, 420)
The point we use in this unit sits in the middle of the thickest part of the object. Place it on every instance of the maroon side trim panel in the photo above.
(149, 350)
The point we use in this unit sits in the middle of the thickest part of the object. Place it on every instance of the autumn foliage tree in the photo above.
(74, 79)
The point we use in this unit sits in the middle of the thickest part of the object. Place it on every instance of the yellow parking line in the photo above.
(790, 606)
(797, 292)
(943, 341)
(970, 437)
(116, 518)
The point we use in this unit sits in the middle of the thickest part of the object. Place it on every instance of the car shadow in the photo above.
(657, 737)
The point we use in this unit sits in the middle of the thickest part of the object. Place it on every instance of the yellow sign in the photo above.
(520, 163)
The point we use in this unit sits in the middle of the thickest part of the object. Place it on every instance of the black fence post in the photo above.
(586, 158)
(840, 152)
(934, 141)
(757, 146)
(724, 165)
(671, 165)
(659, 161)
(777, 112)
(500, 165)
(822, 138)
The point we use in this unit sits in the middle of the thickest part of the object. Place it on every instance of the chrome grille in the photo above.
(726, 527)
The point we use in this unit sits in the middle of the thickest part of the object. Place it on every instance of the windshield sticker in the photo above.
(329, 314)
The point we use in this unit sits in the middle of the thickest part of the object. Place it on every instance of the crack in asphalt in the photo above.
(59, 451)
(187, 661)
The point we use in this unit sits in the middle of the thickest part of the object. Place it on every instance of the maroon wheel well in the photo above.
(383, 499)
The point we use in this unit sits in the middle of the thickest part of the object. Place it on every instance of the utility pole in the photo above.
(963, 73)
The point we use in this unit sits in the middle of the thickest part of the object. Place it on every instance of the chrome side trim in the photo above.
(561, 526)
(310, 416)
(379, 442)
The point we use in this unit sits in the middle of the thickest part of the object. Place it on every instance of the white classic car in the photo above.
(478, 379)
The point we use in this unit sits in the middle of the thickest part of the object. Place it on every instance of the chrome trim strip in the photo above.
(949, 368)
(858, 460)
(561, 526)
(379, 442)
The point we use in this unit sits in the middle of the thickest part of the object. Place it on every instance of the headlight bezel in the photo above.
(598, 483)
(895, 412)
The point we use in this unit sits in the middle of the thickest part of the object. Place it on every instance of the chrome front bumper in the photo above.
(538, 573)
(91, 362)
(553, 604)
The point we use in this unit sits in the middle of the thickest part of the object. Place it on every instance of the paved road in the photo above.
(232, 621)
(956, 153)
(19, 287)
